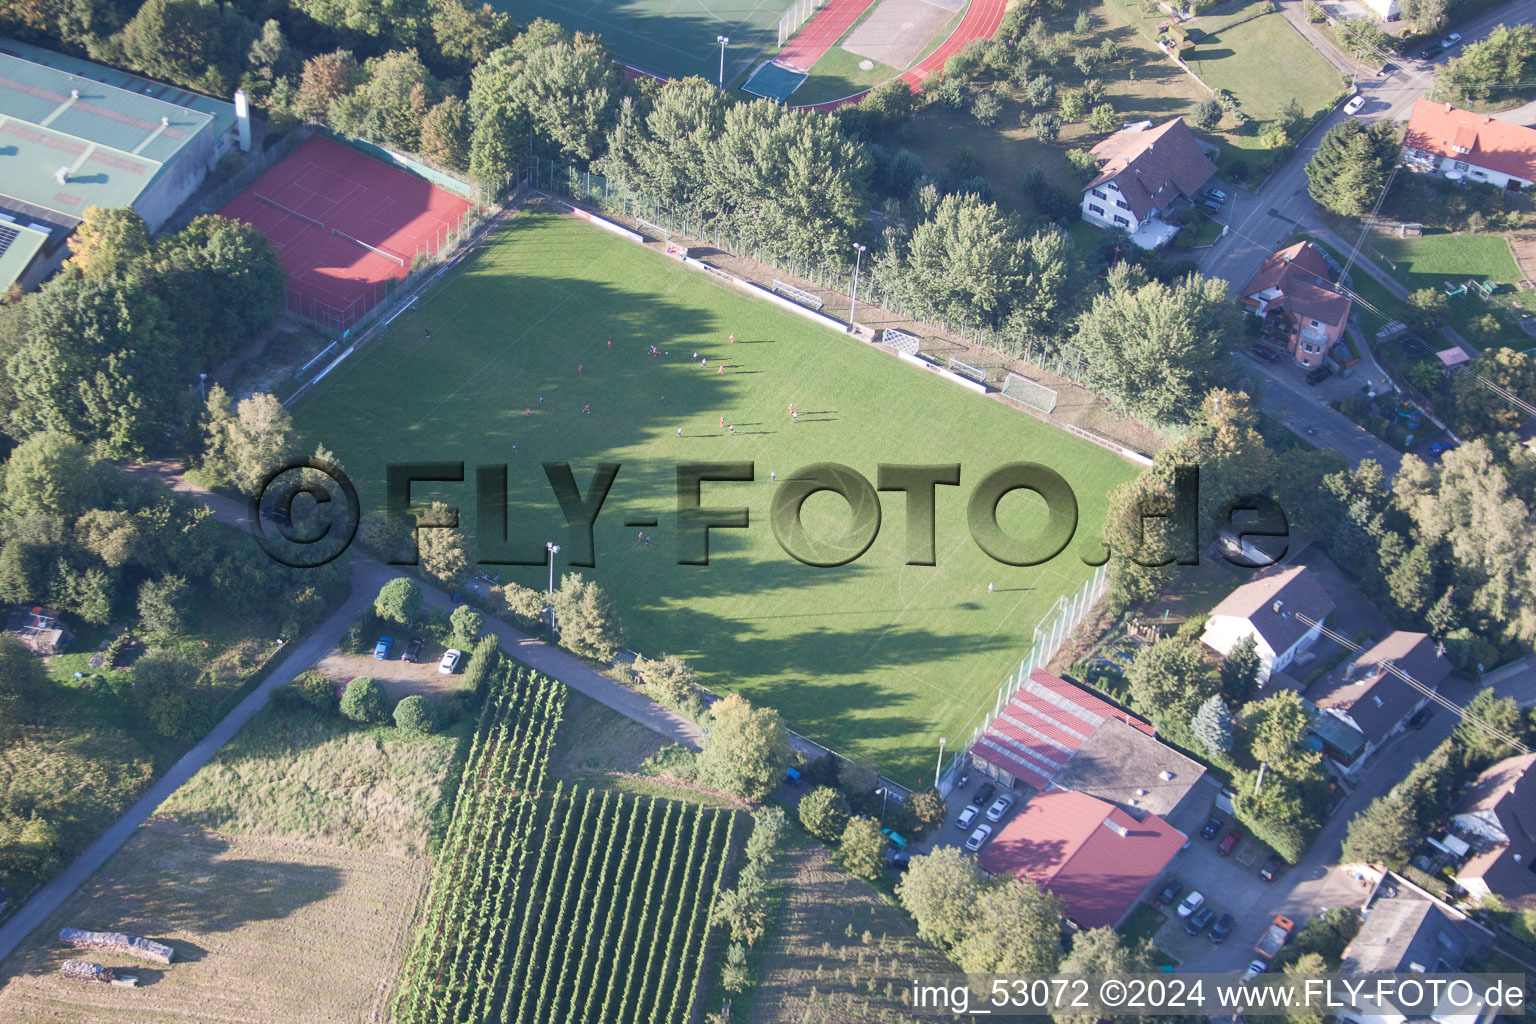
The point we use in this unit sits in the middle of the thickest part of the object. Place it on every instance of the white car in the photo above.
(1192, 903)
(450, 662)
(979, 837)
(1450, 40)
(1354, 105)
(967, 817)
(999, 807)
(1255, 968)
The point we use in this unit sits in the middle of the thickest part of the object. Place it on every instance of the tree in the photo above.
(196, 43)
(390, 103)
(1493, 66)
(1016, 930)
(108, 242)
(857, 778)
(939, 891)
(861, 852)
(1212, 726)
(440, 545)
(1480, 748)
(163, 685)
(244, 447)
(364, 701)
(51, 474)
(746, 749)
(1275, 725)
(824, 813)
(1274, 136)
(445, 134)
(326, 78)
(1155, 349)
(163, 605)
(585, 618)
(399, 601)
(1045, 127)
(1383, 833)
(1072, 104)
(467, 624)
(670, 680)
(1040, 92)
(1240, 670)
(1103, 118)
(1364, 35)
(1207, 115)
(986, 107)
(414, 715)
(269, 55)
(221, 283)
(1290, 116)
(22, 684)
(1478, 409)
(1101, 951)
(1427, 309)
(928, 809)
(1428, 16)
(1349, 169)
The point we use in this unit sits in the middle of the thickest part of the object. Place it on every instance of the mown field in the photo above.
(875, 658)
(569, 905)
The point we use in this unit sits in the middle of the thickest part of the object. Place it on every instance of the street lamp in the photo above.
(553, 549)
(858, 255)
(940, 768)
(723, 41)
(202, 386)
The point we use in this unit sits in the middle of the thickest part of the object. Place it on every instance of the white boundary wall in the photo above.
(953, 378)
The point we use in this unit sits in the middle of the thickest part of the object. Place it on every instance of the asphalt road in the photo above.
(367, 577)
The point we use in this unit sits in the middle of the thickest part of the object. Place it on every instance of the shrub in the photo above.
(399, 601)
(1103, 118)
(363, 701)
(466, 624)
(414, 716)
(1083, 162)
(1045, 127)
(824, 813)
(310, 689)
(482, 662)
(1207, 115)
(985, 108)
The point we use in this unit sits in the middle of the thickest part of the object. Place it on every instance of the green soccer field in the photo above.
(672, 38)
(874, 658)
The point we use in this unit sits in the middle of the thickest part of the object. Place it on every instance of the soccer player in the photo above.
(610, 343)
(578, 367)
(773, 475)
(527, 412)
(991, 588)
(586, 408)
(733, 339)
(663, 399)
(722, 368)
(794, 417)
(722, 422)
(429, 334)
(679, 431)
(791, 408)
(704, 362)
(733, 429)
(695, 355)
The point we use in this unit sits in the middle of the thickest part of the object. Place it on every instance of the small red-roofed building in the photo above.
(1462, 144)
(1295, 297)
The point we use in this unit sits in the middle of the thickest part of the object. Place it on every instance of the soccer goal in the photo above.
(396, 315)
(965, 369)
(1022, 389)
(901, 341)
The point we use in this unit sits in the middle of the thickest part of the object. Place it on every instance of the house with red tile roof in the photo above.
(1145, 173)
(1093, 856)
(1294, 294)
(1444, 138)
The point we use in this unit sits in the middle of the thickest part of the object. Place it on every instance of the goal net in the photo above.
(901, 341)
(1022, 389)
(964, 369)
(795, 17)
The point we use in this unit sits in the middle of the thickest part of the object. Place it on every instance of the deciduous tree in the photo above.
(861, 851)
(746, 750)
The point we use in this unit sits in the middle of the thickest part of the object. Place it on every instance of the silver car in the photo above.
(978, 838)
(967, 817)
(1000, 807)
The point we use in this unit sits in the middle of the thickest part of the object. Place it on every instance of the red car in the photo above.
(1228, 842)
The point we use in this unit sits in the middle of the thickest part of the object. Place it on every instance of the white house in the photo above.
(1457, 142)
(1271, 608)
(1143, 172)
(1386, 10)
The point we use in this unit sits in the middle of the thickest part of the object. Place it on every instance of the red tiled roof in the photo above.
(1441, 129)
(1152, 167)
(1088, 702)
(1064, 842)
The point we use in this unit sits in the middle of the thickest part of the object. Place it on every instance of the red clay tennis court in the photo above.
(346, 226)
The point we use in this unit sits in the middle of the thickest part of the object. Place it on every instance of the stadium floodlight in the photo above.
(858, 254)
(553, 549)
(723, 41)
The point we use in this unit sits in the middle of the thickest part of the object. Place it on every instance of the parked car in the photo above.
(1421, 717)
(1318, 374)
(1199, 921)
(413, 649)
(1270, 869)
(1255, 968)
(985, 793)
(895, 838)
(1000, 807)
(1216, 194)
(897, 862)
(1450, 40)
(1386, 69)
(1441, 447)
(1170, 893)
(1354, 105)
(793, 777)
(1193, 902)
(1430, 52)
(1222, 928)
(967, 817)
(1211, 828)
(381, 649)
(1228, 842)
(1264, 352)
(978, 838)
(450, 662)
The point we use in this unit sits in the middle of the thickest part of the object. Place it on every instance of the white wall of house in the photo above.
(1222, 633)
(1386, 10)
(1105, 206)
(1445, 164)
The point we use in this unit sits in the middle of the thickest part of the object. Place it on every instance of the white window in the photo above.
(1463, 150)
(1122, 222)
(1096, 209)
(1122, 204)
(1316, 326)
(1461, 165)
(1098, 193)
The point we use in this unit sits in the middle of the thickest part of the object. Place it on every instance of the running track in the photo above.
(980, 21)
(823, 32)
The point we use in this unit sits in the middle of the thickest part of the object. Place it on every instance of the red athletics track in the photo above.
(336, 186)
(980, 21)
(821, 33)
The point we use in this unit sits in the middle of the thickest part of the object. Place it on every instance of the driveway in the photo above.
(399, 678)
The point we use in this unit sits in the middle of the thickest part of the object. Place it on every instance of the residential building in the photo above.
(1373, 699)
(1476, 147)
(74, 134)
(1097, 859)
(1300, 306)
(1413, 933)
(1052, 734)
(1386, 10)
(1497, 815)
(1282, 607)
(1145, 174)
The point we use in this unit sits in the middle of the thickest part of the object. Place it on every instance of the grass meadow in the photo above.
(875, 658)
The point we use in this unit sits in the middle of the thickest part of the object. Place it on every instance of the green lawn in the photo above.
(1433, 258)
(1262, 60)
(837, 74)
(875, 658)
